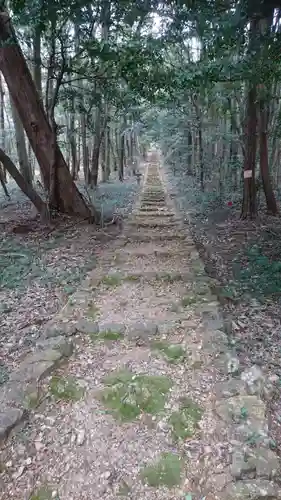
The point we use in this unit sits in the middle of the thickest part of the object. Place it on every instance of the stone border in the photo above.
(240, 410)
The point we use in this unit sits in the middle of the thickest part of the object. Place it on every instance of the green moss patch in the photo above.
(169, 277)
(92, 311)
(132, 277)
(166, 472)
(184, 422)
(173, 353)
(189, 300)
(44, 493)
(110, 335)
(111, 280)
(128, 395)
(66, 389)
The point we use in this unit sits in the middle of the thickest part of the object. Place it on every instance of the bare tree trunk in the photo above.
(122, 158)
(25, 167)
(24, 186)
(85, 151)
(105, 168)
(73, 145)
(2, 125)
(34, 120)
(96, 150)
(37, 73)
(264, 167)
(249, 192)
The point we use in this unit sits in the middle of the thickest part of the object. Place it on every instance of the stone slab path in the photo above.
(151, 403)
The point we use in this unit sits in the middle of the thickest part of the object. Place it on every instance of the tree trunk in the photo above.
(73, 144)
(122, 158)
(37, 74)
(96, 151)
(249, 208)
(264, 167)
(34, 120)
(24, 186)
(249, 205)
(2, 126)
(189, 153)
(85, 151)
(201, 160)
(25, 167)
(105, 22)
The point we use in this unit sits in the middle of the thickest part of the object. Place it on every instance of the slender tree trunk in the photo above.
(201, 160)
(249, 208)
(122, 158)
(264, 167)
(34, 120)
(73, 144)
(96, 150)
(37, 73)
(2, 126)
(85, 151)
(189, 153)
(104, 146)
(25, 167)
(24, 186)
(249, 205)
(105, 21)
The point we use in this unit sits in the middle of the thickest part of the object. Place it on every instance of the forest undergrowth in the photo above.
(244, 258)
(41, 266)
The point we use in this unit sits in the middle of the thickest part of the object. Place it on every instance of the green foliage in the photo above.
(189, 300)
(44, 493)
(173, 353)
(165, 472)
(92, 311)
(185, 421)
(128, 395)
(112, 280)
(66, 389)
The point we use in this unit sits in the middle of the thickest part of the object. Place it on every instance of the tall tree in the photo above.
(28, 104)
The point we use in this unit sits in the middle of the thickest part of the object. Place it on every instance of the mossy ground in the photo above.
(184, 422)
(44, 493)
(165, 472)
(128, 395)
(110, 335)
(173, 353)
(92, 311)
(111, 280)
(189, 300)
(66, 389)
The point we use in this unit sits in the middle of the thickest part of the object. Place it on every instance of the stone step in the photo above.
(153, 200)
(158, 275)
(153, 224)
(158, 196)
(154, 236)
(153, 206)
(154, 215)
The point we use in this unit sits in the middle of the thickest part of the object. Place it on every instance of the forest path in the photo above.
(139, 411)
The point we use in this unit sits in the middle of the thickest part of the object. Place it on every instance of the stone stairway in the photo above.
(148, 405)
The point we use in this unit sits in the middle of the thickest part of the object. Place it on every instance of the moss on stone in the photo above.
(165, 472)
(128, 395)
(66, 389)
(173, 353)
(184, 422)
